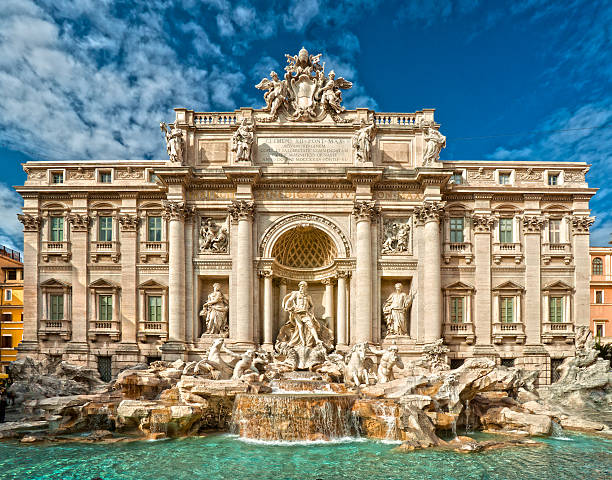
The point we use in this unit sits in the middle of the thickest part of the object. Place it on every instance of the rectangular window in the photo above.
(599, 330)
(456, 309)
(507, 362)
(7, 341)
(57, 229)
(106, 308)
(554, 231)
(106, 177)
(155, 313)
(57, 177)
(457, 179)
(7, 317)
(105, 229)
(599, 297)
(505, 230)
(8, 295)
(507, 310)
(456, 230)
(154, 231)
(553, 179)
(556, 310)
(11, 275)
(57, 307)
(504, 178)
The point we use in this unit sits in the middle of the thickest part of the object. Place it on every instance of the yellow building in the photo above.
(11, 306)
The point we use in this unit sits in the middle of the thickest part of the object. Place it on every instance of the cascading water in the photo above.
(294, 417)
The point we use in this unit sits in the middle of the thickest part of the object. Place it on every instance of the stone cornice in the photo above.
(241, 210)
(242, 175)
(364, 176)
(365, 210)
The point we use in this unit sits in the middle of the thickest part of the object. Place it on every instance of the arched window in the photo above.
(597, 266)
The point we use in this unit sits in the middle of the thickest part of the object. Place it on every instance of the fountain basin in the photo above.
(294, 417)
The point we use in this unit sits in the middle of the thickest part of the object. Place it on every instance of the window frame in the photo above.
(3, 338)
(57, 174)
(553, 179)
(505, 175)
(598, 325)
(456, 231)
(8, 295)
(457, 309)
(102, 176)
(104, 228)
(154, 228)
(56, 229)
(508, 221)
(556, 232)
(105, 307)
(597, 262)
(506, 306)
(556, 309)
(56, 307)
(596, 297)
(158, 309)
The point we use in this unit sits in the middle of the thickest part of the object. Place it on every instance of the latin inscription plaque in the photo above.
(283, 150)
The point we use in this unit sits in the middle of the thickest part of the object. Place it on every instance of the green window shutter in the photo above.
(57, 307)
(155, 308)
(154, 230)
(456, 309)
(105, 229)
(505, 230)
(456, 230)
(57, 229)
(507, 309)
(106, 307)
(556, 310)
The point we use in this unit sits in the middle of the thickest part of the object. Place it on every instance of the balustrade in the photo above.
(205, 119)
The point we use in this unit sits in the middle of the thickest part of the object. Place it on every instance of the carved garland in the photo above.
(483, 223)
(31, 223)
(80, 223)
(533, 224)
(581, 224)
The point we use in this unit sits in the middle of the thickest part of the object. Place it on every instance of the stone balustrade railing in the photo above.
(207, 119)
(63, 328)
(460, 330)
(61, 249)
(148, 249)
(105, 248)
(153, 329)
(508, 329)
(398, 119)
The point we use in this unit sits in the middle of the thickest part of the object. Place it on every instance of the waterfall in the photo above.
(557, 432)
(294, 417)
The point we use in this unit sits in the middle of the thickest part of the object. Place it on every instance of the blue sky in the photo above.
(92, 79)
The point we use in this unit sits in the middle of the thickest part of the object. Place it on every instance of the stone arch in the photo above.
(284, 224)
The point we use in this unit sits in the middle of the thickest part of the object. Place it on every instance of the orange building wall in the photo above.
(601, 313)
(13, 325)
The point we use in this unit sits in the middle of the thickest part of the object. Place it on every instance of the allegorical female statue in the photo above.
(395, 309)
(302, 329)
(362, 142)
(214, 312)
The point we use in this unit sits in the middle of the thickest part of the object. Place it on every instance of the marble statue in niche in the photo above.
(175, 143)
(214, 238)
(396, 236)
(242, 141)
(395, 310)
(435, 142)
(214, 313)
(362, 142)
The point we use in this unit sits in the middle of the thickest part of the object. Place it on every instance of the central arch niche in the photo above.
(305, 247)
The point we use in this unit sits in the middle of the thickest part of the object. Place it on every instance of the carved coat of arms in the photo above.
(305, 93)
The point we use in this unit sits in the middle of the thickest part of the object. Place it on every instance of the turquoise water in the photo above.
(225, 457)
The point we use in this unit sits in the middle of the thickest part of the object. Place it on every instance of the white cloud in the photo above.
(300, 13)
(502, 153)
(10, 228)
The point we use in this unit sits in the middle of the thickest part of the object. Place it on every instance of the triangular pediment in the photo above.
(151, 284)
(509, 285)
(53, 282)
(459, 286)
(103, 283)
(557, 285)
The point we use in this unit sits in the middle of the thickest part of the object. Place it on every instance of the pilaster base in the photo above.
(172, 350)
(126, 354)
(77, 352)
(240, 347)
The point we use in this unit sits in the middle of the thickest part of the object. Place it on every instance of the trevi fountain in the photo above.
(326, 358)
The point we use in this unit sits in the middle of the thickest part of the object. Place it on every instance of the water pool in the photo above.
(226, 457)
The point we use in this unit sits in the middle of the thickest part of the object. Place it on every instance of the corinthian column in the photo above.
(364, 212)
(175, 213)
(482, 225)
(242, 211)
(532, 227)
(580, 247)
(267, 310)
(429, 214)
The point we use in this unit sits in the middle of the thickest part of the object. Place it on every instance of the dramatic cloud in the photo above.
(10, 228)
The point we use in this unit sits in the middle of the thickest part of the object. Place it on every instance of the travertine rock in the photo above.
(508, 419)
(580, 425)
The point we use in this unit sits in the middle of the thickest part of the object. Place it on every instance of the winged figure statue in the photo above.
(276, 95)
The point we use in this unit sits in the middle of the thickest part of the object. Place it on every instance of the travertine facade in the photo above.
(493, 256)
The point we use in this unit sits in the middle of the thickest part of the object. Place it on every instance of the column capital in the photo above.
(430, 211)
(328, 281)
(581, 223)
(174, 210)
(129, 223)
(31, 223)
(343, 274)
(80, 223)
(265, 273)
(533, 223)
(241, 209)
(483, 223)
(365, 210)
